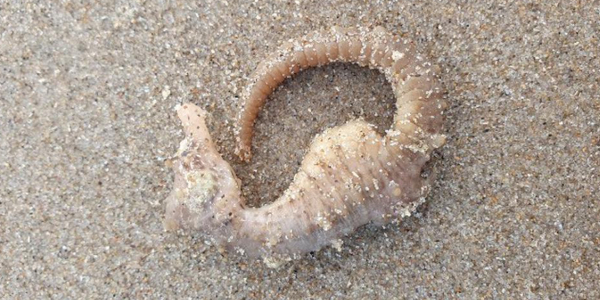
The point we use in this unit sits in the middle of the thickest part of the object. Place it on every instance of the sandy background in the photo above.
(87, 93)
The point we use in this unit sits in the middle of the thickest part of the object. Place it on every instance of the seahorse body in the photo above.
(350, 176)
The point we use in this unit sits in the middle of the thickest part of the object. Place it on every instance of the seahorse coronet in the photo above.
(350, 176)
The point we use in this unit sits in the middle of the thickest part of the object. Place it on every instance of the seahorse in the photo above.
(350, 176)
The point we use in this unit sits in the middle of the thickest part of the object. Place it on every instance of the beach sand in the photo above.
(87, 98)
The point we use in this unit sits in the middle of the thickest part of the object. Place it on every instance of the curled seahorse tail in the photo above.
(377, 49)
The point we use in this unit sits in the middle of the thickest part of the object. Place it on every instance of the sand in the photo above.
(87, 98)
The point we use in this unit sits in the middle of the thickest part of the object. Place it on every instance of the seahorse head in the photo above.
(206, 191)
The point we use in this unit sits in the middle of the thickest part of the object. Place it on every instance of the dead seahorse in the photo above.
(350, 176)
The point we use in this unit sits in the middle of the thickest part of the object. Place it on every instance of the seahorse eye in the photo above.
(202, 188)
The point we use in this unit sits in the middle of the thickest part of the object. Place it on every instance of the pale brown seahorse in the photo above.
(350, 176)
